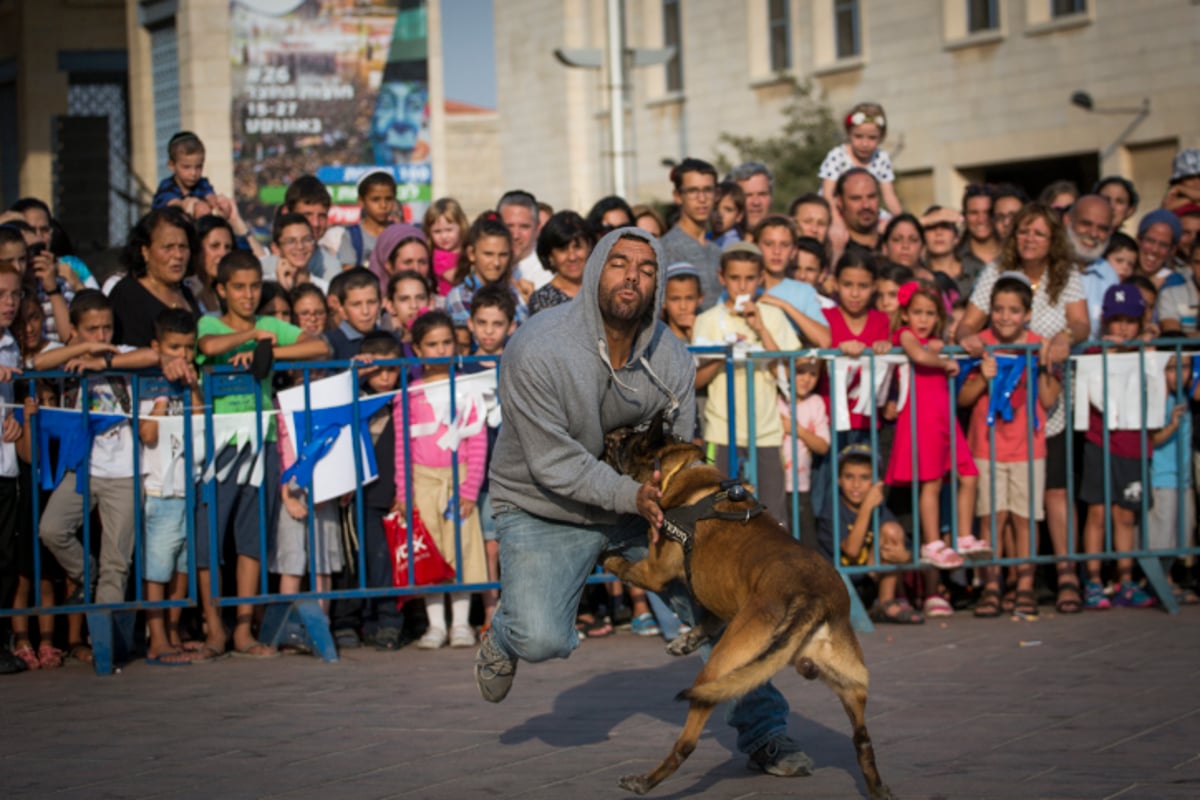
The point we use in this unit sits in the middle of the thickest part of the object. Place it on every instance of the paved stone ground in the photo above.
(1106, 706)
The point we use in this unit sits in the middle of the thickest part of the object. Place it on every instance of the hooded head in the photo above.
(386, 245)
(589, 298)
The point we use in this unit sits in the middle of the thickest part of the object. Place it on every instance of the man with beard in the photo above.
(571, 374)
(1089, 225)
(856, 196)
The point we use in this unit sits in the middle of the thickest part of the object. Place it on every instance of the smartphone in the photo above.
(34, 250)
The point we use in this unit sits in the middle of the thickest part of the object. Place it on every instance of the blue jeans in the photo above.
(543, 567)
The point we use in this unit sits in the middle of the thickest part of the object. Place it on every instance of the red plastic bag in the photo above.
(428, 565)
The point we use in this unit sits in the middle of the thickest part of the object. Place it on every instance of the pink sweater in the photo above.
(472, 451)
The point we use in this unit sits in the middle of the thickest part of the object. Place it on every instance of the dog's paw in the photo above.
(882, 793)
(635, 783)
(686, 644)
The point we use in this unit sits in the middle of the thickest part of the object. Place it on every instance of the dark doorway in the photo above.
(81, 199)
(1083, 170)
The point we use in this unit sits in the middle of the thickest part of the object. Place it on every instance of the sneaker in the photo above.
(645, 625)
(781, 757)
(494, 670)
(937, 606)
(937, 554)
(433, 639)
(1130, 595)
(971, 547)
(346, 639)
(388, 639)
(462, 636)
(1093, 597)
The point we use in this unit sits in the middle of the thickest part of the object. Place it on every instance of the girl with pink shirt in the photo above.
(445, 226)
(432, 480)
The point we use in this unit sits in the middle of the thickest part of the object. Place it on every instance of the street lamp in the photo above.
(1082, 99)
(620, 60)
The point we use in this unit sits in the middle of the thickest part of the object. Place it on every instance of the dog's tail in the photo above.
(788, 637)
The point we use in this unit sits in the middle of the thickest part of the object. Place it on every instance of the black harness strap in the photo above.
(679, 524)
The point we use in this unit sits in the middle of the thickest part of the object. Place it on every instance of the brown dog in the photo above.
(779, 602)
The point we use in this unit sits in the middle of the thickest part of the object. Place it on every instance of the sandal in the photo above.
(27, 655)
(598, 629)
(1184, 596)
(49, 656)
(988, 604)
(1026, 603)
(1009, 602)
(897, 612)
(80, 653)
(1069, 600)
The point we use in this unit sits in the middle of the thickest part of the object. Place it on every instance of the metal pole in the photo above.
(616, 92)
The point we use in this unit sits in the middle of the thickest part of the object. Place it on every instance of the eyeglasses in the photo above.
(698, 191)
(12, 297)
(304, 241)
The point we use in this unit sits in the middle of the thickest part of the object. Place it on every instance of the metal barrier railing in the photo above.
(222, 383)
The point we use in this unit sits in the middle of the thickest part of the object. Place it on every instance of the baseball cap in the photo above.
(1123, 300)
(1185, 165)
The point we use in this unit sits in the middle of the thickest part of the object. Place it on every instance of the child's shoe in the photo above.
(433, 639)
(974, 548)
(1094, 598)
(937, 554)
(937, 606)
(1130, 595)
(27, 655)
(462, 636)
(645, 625)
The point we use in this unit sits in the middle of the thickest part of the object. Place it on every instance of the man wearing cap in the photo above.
(1185, 180)
(1158, 234)
(1089, 226)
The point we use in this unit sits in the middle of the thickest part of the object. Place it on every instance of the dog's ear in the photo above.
(656, 434)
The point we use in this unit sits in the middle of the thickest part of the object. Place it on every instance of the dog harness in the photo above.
(679, 523)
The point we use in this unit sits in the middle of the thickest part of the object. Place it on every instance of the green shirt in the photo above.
(285, 334)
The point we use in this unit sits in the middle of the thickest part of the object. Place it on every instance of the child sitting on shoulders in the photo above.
(866, 128)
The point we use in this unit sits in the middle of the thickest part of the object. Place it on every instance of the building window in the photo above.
(846, 28)
(982, 15)
(780, 35)
(164, 58)
(673, 37)
(1065, 8)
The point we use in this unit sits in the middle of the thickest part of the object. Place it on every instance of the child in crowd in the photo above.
(110, 471)
(927, 451)
(806, 432)
(377, 195)
(813, 215)
(957, 310)
(866, 128)
(1122, 253)
(887, 289)
(39, 278)
(775, 236)
(727, 222)
(1122, 317)
(164, 514)
(275, 301)
(293, 246)
(309, 198)
(310, 309)
(187, 187)
(358, 298)
(1149, 291)
(464, 342)
(408, 298)
(1007, 470)
(233, 339)
(493, 320)
(858, 497)
(434, 494)
(682, 298)
(445, 225)
(812, 267)
(486, 258)
(747, 324)
(1171, 478)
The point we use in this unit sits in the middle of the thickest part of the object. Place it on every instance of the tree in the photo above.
(794, 156)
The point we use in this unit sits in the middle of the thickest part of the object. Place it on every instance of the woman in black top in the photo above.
(159, 248)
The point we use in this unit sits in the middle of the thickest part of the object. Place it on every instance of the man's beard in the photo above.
(1084, 255)
(619, 311)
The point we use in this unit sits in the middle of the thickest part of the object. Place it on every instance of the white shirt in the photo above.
(10, 356)
(530, 268)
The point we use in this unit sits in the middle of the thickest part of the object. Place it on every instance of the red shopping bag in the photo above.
(428, 565)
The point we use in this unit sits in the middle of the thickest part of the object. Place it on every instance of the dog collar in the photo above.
(679, 523)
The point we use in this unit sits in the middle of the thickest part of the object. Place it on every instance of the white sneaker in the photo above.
(433, 639)
(462, 636)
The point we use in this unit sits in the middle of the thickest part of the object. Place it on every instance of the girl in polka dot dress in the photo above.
(866, 127)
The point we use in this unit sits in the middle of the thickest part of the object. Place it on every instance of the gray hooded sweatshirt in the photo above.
(560, 395)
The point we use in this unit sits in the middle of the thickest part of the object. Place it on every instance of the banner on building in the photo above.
(333, 88)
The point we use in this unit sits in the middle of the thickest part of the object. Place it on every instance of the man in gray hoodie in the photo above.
(571, 374)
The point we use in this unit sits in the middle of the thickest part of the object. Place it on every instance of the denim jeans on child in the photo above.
(544, 565)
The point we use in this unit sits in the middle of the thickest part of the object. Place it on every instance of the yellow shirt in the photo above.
(720, 326)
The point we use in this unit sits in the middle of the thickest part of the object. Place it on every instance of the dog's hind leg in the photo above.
(835, 656)
(698, 714)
